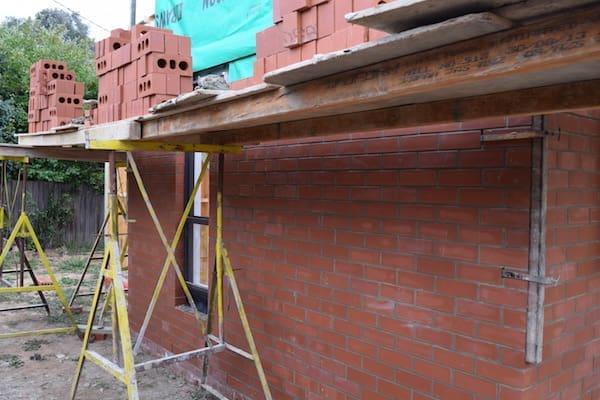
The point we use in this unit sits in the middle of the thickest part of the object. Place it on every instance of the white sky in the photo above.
(109, 14)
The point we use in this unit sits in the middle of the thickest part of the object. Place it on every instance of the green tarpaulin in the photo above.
(221, 30)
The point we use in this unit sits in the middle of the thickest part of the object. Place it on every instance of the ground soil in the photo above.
(43, 366)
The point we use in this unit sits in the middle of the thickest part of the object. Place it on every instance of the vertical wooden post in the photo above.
(537, 253)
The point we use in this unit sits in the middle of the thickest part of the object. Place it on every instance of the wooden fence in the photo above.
(47, 201)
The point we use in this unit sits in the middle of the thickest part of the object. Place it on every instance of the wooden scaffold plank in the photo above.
(552, 52)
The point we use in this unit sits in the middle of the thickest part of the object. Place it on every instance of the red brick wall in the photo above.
(572, 314)
(370, 265)
(163, 177)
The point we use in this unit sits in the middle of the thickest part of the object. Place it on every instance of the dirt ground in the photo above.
(43, 366)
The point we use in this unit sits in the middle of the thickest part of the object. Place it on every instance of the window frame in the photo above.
(199, 292)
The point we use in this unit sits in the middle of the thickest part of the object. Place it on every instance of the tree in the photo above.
(52, 18)
(11, 116)
(22, 43)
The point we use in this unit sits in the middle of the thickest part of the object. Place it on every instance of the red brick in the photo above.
(393, 389)
(518, 157)
(435, 337)
(308, 50)
(515, 318)
(482, 197)
(438, 159)
(436, 267)
(503, 296)
(506, 178)
(417, 178)
(458, 251)
(460, 178)
(396, 293)
(455, 324)
(465, 215)
(341, 8)
(326, 45)
(436, 195)
(418, 212)
(151, 42)
(435, 301)
(164, 64)
(308, 24)
(287, 6)
(494, 122)
(291, 29)
(481, 234)
(505, 217)
(509, 376)
(494, 158)
(356, 35)
(454, 360)
(431, 370)
(456, 288)
(506, 336)
(421, 142)
(412, 313)
(465, 140)
(445, 392)
(325, 19)
(503, 257)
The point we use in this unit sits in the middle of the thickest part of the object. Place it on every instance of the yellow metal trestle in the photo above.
(123, 366)
(22, 231)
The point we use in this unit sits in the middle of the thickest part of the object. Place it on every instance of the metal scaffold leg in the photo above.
(22, 231)
(125, 369)
(224, 271)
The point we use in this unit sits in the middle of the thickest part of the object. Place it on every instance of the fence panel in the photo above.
(87, 208)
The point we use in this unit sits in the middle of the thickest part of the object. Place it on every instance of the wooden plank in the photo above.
(535, 8)
(186, 98)
(545, 100)
(562, 49)
(389, 47)
(128, 129)
(139, 145)
(60, 153)
(401, 15)
(537, 254)
(70, 138)
(512, 135)
(191, 99)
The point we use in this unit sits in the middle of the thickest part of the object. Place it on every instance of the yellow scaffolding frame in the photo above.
(24, 229)
(123, 367)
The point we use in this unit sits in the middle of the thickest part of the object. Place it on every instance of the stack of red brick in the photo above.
(138, 69)
(54, 96)
(304, 28)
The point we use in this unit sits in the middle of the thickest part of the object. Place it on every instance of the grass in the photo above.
(67, 267)
(11, 361)
(67, 281)
(34, 344)
(73, 265)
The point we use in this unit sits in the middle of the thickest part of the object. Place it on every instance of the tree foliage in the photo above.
(52, 34)
(52, 17)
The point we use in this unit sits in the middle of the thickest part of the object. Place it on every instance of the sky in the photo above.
(108, 14)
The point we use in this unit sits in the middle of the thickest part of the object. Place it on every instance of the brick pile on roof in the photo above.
(55, 97)
(138, 69)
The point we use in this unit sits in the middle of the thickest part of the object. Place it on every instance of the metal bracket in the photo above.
(542, 280)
